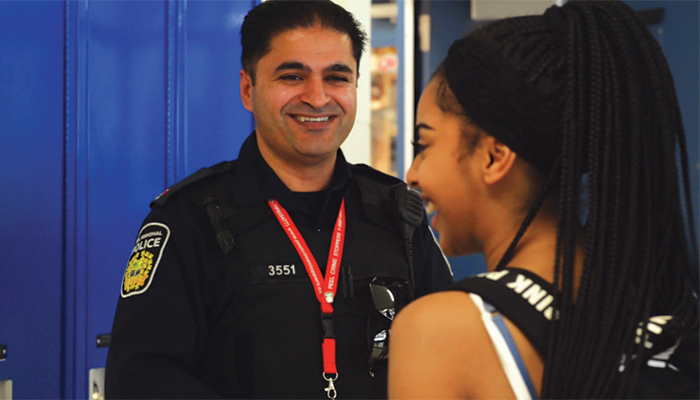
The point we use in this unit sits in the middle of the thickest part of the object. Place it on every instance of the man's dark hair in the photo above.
(273, 17)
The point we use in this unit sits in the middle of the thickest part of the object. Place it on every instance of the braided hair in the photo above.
(584, 94)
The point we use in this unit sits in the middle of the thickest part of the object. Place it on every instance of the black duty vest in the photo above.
(264, 318)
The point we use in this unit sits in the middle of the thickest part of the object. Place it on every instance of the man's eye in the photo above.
(290, 78)
(338, 79)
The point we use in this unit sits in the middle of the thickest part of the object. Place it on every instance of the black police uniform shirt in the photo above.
(191, 325)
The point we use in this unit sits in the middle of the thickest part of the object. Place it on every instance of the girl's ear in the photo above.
(499, 162)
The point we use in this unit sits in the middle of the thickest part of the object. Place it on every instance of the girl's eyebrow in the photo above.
(424, 126)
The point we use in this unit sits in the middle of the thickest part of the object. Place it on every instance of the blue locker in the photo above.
(31, 165)
(120, 134)
(103, 104)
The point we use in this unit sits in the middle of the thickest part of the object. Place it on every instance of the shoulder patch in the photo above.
(144, 258)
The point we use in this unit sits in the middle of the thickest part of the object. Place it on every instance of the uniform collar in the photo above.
(256, 182)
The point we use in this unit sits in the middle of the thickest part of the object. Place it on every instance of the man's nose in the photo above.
(315, 93)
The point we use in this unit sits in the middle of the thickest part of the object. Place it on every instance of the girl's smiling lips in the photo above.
(429, 205)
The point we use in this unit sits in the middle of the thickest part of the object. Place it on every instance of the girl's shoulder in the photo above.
(440, 349)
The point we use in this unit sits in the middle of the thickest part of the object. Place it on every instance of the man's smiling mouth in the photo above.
(312, 119)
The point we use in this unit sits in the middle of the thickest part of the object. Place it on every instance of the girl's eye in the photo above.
(417, 147)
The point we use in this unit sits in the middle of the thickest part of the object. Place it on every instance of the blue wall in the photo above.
(679, 36)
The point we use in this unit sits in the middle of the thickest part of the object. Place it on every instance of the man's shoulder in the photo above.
(205, 178)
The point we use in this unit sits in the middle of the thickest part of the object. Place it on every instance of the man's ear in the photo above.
(246, 90)
(500, 160)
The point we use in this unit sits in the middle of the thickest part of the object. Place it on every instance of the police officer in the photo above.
(276, 275)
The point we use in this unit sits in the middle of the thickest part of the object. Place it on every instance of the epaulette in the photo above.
(195, 177)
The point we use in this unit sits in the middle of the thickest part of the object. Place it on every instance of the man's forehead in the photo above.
(293, 49)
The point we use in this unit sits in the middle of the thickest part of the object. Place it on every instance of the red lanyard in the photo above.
(325, 291)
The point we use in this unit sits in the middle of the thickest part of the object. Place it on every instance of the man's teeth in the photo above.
(430, 207)
(310, 119)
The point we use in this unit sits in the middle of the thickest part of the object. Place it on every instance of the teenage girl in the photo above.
(555, 144)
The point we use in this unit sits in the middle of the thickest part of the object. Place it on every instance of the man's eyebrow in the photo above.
(292, 65)
(296, 65)
(339, 68)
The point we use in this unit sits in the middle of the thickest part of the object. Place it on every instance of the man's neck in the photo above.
(311, 177)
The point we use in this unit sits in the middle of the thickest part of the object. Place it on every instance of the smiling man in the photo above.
(303, 95)
(276, 275)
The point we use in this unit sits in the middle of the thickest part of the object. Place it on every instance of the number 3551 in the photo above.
(278, 270)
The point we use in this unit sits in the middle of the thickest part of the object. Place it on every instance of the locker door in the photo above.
(156, 98)
(115, 160)
(31, 177)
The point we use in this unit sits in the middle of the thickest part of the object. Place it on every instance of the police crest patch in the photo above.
(145, 258)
